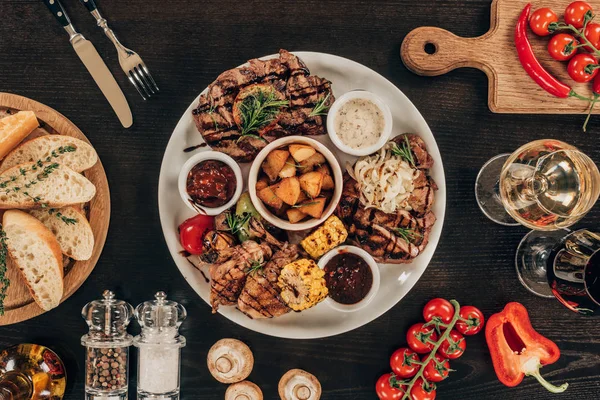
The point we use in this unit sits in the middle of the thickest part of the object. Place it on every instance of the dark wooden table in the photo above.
(187, 43)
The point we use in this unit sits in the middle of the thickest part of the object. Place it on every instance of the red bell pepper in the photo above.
(517, 349)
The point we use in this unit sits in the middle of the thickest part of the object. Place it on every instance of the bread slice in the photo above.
(76, 240)
(61, 187)
(36, 252)
(15, 128)
(84, 156)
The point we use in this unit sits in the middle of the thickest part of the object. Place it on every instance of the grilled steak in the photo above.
(287, 75)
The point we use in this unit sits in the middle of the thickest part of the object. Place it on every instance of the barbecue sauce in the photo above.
(348, 277)
(211, 183)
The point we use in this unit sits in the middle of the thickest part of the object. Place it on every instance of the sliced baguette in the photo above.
(76, 240)
(62, 187)
(84, 156)
(15, 128)
(36, 252)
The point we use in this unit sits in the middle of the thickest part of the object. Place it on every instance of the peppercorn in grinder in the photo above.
(107, 348)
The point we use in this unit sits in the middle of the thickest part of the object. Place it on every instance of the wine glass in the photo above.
(31, 371)
(544, 185)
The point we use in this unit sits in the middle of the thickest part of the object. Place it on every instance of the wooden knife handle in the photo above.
(57, 9)
(432, 51)
(90, 4)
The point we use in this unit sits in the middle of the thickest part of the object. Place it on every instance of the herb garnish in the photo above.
(236, 222)
(255, 266)
(407, 234)
(310, 203)
(321, 108)
(258, 110)
(404, 151)
(211, 111)
(4, 281)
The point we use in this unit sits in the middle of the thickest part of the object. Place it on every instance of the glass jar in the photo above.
(107, 348)
(159, 348)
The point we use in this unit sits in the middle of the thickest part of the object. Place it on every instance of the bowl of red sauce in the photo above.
(210, 182)
(352, 278)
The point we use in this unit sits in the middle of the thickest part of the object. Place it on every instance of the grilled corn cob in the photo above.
(302, 284)
(329, 235)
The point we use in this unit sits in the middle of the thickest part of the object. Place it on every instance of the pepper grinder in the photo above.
(159, 348)
(107, 348)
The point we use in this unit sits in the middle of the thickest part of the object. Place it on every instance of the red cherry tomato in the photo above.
(575, 13)
(422, 390)
(562, 46)
(440, 308)
(456, 348)
(541, 19)
(474, 321)
(401, 363)
(385, 390)
(592, 33)
(582, 67)
(417, 338)
(437, 372)
(191, 232)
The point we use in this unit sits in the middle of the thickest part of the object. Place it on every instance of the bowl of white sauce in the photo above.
(359, 123)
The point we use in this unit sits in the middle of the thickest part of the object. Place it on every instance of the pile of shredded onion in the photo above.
(385, 181)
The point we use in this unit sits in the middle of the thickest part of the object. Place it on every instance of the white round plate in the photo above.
(396, 279)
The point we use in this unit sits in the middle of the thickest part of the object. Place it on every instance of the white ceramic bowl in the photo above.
(203, 156)
(359, 94)
(374, 270)
(337, 180)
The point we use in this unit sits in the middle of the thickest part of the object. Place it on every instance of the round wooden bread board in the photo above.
(19, 305)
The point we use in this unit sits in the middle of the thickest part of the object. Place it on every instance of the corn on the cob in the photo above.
(302, 284)
(329, 235)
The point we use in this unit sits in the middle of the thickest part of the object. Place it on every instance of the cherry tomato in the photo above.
(541, 19)
(401, 365)
(562, 46)
(455, 349)
(384, 389)
(582, 67)
(422, 390)
(191, 232)
(592, 33)
(417, 337)
(440, 308)
(575, 13)
(474, 323)
(437, 372)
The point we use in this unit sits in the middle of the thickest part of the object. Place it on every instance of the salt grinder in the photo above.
(159, 348)
(107, 347)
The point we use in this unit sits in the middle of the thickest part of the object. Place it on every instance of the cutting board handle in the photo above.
(432, 51)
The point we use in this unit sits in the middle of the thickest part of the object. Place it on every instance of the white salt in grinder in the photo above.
(159, 348)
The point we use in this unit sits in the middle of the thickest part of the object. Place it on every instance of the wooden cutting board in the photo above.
(510, 89)
(19, 305)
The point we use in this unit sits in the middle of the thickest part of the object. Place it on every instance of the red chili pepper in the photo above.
(517, 349)
(530, 63)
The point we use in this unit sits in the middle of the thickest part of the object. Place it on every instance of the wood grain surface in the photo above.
(510, 89)
(186, 44)
(19, 304)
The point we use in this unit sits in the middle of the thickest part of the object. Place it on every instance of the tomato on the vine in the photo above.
(418, 338)
(454, 346)
(422, 390)
(474, 321)
(583, 67)
(592, 33)
(575, 13)
(192, 231)
(401, 363)
(440, 308)
(437, 371)
(385, 390)
(541, 19)
(562, 46)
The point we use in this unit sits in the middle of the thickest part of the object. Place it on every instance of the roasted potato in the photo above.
(261, 184)
(327, 183)
(301, 152)
(312, 162)
(311, 183)
(313, 207)
(294, 215)
(288, 190)
(289, 169)
(268, 196)
(274, 162)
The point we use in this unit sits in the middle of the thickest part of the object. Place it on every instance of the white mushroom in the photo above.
(244, 390)
(297, 384)
(230, 361)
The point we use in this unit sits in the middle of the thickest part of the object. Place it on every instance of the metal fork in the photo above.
(130, 61)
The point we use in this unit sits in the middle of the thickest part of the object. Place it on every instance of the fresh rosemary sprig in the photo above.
(211, 111)
(236, 222)
(321, 108)
(310, 203)
(259, 109)
(255, 266)
(407, 234)
(404, 152)
(4, 281)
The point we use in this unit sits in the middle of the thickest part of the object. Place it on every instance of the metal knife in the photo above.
(94, 64)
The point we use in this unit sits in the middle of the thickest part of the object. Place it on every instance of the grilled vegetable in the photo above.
(244, 210)
(329, 235)
(302, 284)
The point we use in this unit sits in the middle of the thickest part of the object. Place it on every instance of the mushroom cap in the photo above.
(244, 390)
(230, 361)
(298, 384)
